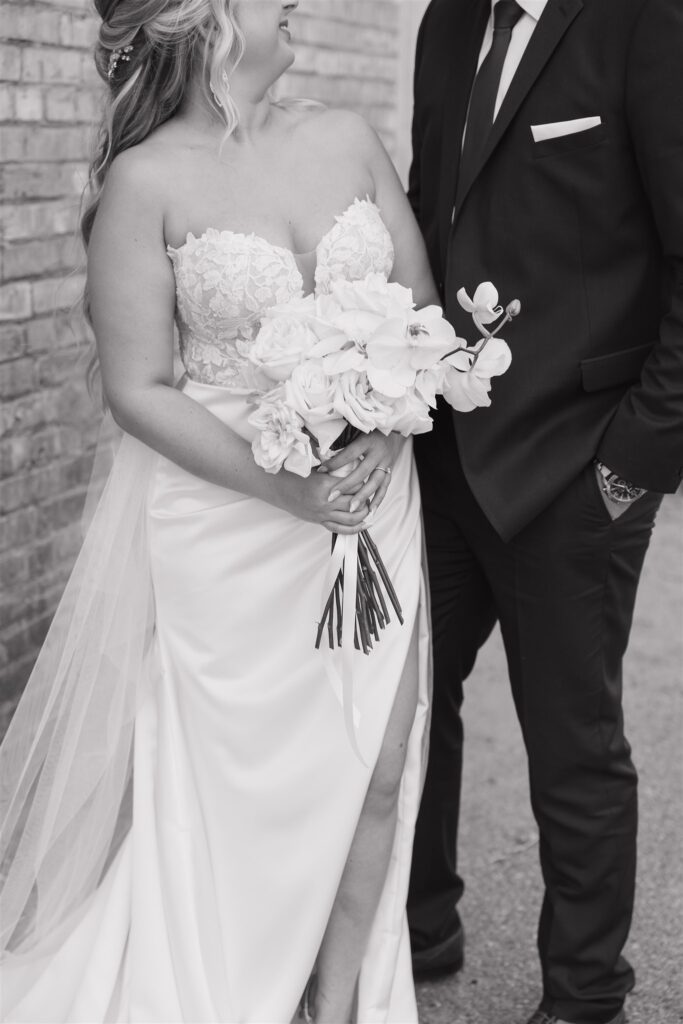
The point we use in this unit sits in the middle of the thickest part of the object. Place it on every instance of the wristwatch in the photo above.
(615, 487)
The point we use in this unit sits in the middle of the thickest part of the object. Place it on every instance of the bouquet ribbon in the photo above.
(345, 555)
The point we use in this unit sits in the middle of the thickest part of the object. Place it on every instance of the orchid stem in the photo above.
(488, 334)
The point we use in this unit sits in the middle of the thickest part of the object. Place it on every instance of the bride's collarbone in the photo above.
(289, 194)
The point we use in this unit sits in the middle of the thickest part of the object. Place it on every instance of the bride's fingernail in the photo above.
(334, 495)
(354, 505)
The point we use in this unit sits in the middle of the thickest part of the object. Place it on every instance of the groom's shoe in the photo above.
(447, 957)
(541, 1017)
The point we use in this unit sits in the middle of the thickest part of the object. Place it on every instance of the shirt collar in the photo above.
(531, 7)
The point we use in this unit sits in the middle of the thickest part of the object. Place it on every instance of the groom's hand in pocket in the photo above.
(615, 508)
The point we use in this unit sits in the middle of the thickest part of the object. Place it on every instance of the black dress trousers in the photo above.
(563, 590)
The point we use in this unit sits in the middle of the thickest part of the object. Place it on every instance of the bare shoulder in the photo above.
(136, 177)
(135, 195)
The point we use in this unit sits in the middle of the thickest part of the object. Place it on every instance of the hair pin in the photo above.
(118, 55)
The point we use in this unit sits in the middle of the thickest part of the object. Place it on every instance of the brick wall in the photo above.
(347, 56)
(47, 423)
(350, 53)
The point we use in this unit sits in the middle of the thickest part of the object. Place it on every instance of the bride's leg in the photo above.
(347, 933)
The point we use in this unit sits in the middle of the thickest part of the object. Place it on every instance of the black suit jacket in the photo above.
(586, 230)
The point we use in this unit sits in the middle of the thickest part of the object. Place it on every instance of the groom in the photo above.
(548, 158)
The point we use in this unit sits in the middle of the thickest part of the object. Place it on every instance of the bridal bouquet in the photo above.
(362, 358)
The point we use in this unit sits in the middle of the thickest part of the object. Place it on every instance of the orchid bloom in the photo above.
(493, 359)
(483, 305)
(404, 346)
(466, 391)
(430, 337)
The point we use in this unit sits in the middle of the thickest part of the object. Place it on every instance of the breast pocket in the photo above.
(589, 138)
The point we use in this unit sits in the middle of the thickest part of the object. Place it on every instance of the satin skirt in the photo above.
(247, 791)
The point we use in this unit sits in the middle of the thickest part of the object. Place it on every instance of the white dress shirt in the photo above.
(521, 34)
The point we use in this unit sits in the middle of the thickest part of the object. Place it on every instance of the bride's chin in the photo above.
(288, 56)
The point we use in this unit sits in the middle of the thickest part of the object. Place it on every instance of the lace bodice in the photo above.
(225, 281)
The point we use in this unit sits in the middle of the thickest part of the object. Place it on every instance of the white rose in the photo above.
(374, 294)
(310, 391)
(280, 345)
(369, 295)
(280, 439)
(362, 407)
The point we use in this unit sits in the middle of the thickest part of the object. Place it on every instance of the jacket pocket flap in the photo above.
(616, 368)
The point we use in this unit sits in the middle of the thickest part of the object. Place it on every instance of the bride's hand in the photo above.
(309, 498)
(368, 483)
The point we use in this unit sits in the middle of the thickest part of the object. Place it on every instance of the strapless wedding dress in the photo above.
(246, 791)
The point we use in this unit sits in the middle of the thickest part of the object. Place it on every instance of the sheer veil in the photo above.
(66, 761)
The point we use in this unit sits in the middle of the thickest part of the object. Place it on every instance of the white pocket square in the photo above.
(556, 129)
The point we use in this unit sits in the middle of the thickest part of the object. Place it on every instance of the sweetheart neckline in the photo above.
(338, 218)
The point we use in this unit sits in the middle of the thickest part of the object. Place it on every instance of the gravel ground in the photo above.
(500, 983)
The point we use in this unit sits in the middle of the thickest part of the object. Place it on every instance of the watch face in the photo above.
(621, 490)
(615, 487)
(617, 490)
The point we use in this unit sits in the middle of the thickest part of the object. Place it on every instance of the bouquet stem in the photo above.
(374, 594)
(374, 589)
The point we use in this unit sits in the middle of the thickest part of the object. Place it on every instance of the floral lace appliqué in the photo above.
(359, 244)
(225, 282)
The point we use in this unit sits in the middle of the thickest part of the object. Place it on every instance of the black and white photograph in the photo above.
(341, 511)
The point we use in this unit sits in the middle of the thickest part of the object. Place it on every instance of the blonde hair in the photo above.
(147, 83)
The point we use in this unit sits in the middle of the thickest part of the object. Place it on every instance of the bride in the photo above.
(188, 832)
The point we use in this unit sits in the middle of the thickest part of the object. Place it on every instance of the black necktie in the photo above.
(506, 14)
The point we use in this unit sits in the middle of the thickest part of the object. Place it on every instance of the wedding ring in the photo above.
(384, 469)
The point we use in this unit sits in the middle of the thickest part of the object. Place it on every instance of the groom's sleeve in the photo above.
(414, 173)
(644, 441)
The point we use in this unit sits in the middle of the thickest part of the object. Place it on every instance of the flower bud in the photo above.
(514, 308)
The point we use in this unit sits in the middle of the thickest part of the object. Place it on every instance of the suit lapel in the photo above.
(554, 22)
(466, 32)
